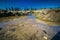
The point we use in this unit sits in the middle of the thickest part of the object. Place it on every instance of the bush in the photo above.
(18, 14)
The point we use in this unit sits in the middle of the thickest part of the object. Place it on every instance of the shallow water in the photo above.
(51, 30)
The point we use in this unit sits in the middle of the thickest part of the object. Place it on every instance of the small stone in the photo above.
(45, 38)
(23, 25)
(44, 31)
(37, 30)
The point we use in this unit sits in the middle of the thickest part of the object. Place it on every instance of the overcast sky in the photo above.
(29, 3)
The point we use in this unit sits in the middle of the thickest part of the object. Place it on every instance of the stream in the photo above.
(52, 31)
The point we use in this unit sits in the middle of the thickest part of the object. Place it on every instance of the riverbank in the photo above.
(50, 17)
(49, 23)
(6, 19)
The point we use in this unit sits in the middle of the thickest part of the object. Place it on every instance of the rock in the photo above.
(44, 31)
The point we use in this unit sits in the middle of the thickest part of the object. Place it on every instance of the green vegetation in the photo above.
(13, 12)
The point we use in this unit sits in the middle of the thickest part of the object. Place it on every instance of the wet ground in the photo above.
(39, 26)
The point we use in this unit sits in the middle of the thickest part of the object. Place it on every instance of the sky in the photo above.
(29, 3)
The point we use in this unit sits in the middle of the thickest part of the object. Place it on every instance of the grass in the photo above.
(50, 16)
(49, 22)
(39, 17)
(6, 19)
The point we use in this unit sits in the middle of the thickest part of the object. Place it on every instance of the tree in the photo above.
(6, 9)
(32, 8)
(12, 8)
(16, 9)
(26, 9)
(9, 9)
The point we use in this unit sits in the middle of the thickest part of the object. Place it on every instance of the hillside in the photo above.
(52, 15)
